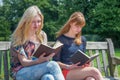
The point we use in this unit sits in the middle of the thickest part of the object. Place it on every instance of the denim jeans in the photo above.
(45, 71)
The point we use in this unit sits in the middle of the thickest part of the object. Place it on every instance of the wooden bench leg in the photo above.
(6, 72)
(0, 62)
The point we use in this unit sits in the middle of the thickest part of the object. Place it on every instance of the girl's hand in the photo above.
(42, 58)
(76, 65)
(50, 56)
(73, 66)
(86, 65)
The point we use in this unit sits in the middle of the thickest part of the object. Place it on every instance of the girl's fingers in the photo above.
(51, 55)
(43, 54)
(77, 63)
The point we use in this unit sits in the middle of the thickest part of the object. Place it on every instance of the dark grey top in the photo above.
(69, 48)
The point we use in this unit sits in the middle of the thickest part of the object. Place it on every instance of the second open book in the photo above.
(48, 49)
(81, 57)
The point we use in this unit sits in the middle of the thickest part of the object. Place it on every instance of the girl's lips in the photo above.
(35, 27)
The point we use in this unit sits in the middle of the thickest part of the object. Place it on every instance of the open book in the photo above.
(48, 49)
(81, 57)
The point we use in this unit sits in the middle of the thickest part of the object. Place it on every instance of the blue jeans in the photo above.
(45, 71)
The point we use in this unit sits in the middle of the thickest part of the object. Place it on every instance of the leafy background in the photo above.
(102, 17)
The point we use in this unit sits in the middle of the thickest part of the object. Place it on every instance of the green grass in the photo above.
(117, 53)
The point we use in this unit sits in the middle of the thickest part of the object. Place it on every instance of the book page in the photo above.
(57, 44)
(47, 45)
(94, 56)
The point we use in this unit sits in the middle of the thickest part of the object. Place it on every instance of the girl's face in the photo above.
(36, 23)
(75, 29)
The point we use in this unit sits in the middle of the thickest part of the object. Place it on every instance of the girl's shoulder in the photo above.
(43, 32)
(61, 38)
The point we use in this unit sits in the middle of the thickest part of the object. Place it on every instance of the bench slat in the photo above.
(98, 60)
(105, 62)
(96, 45)
(4, 45)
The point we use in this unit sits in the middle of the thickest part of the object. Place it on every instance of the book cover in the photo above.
(81, 57)
(48, 49)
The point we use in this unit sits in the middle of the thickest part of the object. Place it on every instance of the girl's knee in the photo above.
(53, 64)
(97, 74)
(47, 77)
(95, 70)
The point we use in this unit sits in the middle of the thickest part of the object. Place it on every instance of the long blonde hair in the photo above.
(20, 35)
(77, 17)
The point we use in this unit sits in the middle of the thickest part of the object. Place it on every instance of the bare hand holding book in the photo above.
(81, 57)
(48, 49)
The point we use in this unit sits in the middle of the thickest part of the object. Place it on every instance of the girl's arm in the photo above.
(28, 62)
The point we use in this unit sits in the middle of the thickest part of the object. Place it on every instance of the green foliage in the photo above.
(50, 29)
(14, 10)
(102, 16)
(104, 19)
(4, 24)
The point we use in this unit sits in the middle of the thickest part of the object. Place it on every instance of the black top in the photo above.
(68, 49)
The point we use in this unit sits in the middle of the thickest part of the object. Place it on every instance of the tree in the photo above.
(102, 16)
(15, 9)
(4, 24)
(104, 20)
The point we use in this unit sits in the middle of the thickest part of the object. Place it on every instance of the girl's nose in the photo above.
(36, 24)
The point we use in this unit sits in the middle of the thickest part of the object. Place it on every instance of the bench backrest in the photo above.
(104, 62)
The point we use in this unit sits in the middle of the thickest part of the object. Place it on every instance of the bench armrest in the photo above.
(116, 60)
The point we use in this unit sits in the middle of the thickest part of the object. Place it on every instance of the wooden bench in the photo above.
(107, 62)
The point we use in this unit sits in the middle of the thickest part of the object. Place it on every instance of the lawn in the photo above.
(117, 53)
